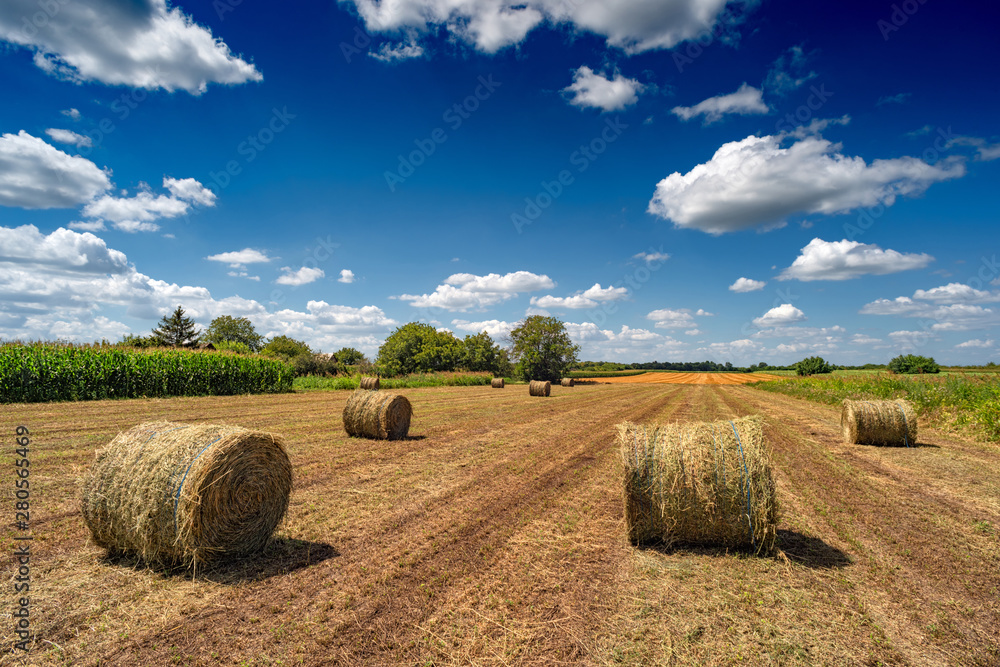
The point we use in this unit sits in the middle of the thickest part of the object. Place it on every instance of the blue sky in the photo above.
(676, 180)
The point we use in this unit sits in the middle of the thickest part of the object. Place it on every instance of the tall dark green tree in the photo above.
(234, 330)
(286, 348)
(349, 356)
(176, 330)
(542, 349)
(482, 354)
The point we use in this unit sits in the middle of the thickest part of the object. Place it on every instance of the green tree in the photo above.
(482, 354)
(233, 329)
(176, 330)
(348, 356)
(542, 349)
(912, 363)
(285, 348)
(132, 340)
(417, 348)
(812, 366)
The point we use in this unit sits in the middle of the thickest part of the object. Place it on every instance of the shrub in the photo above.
(813, 366)
(912, 363)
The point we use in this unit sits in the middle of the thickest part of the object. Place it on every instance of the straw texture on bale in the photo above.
(371, 384)
(187, 493)
(497, 383)
(567, 382)
(706, 483)
(539, 388)
(377, 414)
(879, 423)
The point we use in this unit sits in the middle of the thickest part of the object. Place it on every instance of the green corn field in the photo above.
(37, 372)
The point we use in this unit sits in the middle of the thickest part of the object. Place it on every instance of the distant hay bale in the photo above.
(187, 493)
(371, 384)
(377, 414)
(497, 383)
(567, 382)
(704, 483)
(539, 388)
(879, 423)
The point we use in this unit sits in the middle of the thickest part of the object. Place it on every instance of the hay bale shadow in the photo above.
(282, 555)
(811, 552)
(797, 548)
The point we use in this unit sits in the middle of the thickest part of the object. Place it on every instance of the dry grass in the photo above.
(539, 388)
(187, 493)
(879, 423)
(493, 536)
(706, 483)
(689, 377)
(377, 414)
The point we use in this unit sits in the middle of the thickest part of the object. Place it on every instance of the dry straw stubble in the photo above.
(706, 483)
(497, 383)
(377, 414)
(879, 423)
(182, 493)
(539, 388)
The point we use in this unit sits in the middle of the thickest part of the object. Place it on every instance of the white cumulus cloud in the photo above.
(145, 44)
(590, 89)
(466, 291)
(490, 25)
(747, 285)
(779, 316)
(239, 258)
(33, 174)
(346, 276)
(68, 137)
(139, 213)
(746, 101)
(588, 298)
(976, 343)
(67, 284)
(497, 329)
(303, 276)
(844, 260)
(389, 53)
(756, 182)
(650, 257)
(667, 318)
(955, 293)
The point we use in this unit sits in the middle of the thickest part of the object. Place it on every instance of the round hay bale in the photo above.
(371, 384)
(706, 483)
(891, 423)
(539, 388)
(377, 414)
(187, 493)
(497, 383)
(567, 382)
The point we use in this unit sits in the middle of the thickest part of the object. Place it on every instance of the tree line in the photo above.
(538, 348)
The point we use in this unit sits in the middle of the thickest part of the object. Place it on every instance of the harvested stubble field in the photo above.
(493, 535)
(689, 378)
